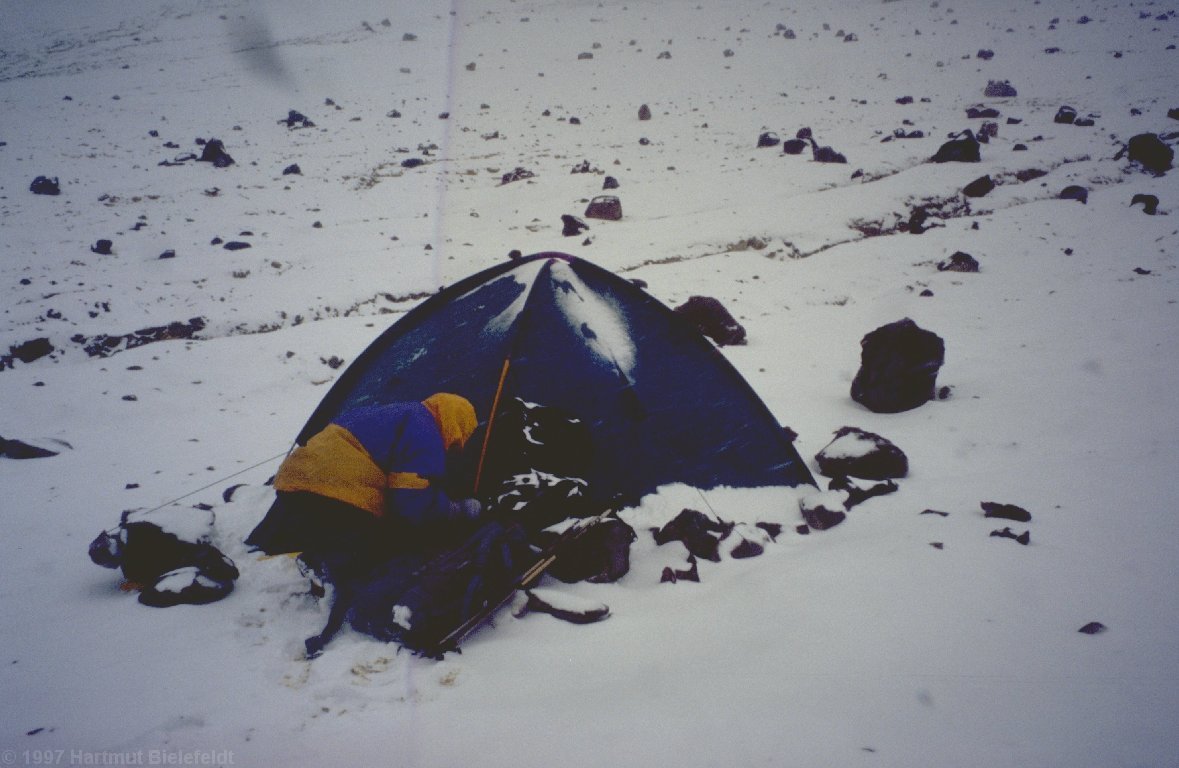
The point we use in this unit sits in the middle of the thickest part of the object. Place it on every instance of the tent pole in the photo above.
(499, 390)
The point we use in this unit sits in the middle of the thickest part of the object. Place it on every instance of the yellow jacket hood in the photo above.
(455, 417)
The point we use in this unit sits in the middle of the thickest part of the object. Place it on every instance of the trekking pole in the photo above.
(545, 559)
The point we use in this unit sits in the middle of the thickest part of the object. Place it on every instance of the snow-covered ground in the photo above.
(861, 645)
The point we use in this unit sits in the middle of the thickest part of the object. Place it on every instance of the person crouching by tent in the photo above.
(372, 480)
(368, 487)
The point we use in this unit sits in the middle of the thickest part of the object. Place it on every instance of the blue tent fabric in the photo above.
(660, 401)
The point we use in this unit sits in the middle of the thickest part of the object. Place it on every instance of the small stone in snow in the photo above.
(1023, 538)
(855, 452)
(823, 510)
(1006, 512)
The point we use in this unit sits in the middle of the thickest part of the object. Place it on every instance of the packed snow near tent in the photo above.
(162, 364)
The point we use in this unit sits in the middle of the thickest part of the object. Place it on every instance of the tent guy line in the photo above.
(220, 480)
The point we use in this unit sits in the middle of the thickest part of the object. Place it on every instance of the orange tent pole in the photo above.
(503, 376)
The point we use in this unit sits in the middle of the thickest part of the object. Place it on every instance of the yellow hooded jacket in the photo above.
(366, 453)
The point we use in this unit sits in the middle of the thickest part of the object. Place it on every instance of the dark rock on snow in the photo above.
(607, 207)
(961, 148)
(228, 494)
(102, 247)
(43, 185)
(975, 113)
(1024, 538)
(1065, 115)
(823, 511)
(898, 367)
(1150, 203)
(1075, 192)
(644, 112)
(793, 146)
(572, 226)
(1000, 89)
(855, 452)
(1149, 151)
(517, 174)
(610, 183)
(980, 187)
(768, 139)
(1030, 174)
(774, 530)
(712, 319)
(698, 532)
(296, 119)
(859, 490)
(822, 154)
(901, 133)
(691, 573)
(33, 349)
(746, 549)
(1006, 512)
(1092, 628)
(916, 223)
(292, 170)
(105, 345)
(958, 262)
(214, 152)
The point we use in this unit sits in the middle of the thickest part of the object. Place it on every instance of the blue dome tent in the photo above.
(661, 404)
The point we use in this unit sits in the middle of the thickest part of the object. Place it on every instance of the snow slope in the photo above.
(861, 645)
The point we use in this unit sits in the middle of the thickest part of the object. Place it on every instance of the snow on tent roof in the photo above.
(663, 405)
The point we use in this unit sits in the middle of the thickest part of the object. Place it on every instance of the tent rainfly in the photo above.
(661, 403)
